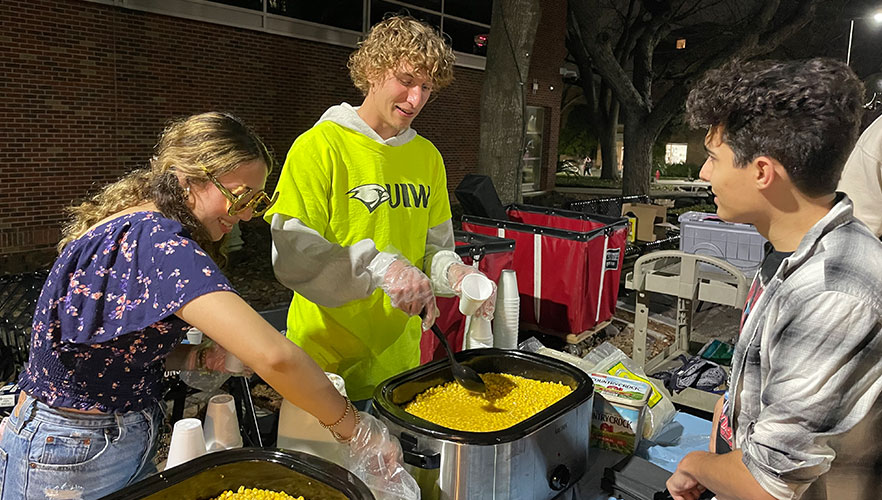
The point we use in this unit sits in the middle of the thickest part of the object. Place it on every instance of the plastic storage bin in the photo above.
(493, 254)
(568, 264)
(210, 475)
(706, 234)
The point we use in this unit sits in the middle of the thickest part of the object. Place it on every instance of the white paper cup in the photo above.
(222, 424)
(476, 288)
(194, 336)
(232, 364)
(187, 442)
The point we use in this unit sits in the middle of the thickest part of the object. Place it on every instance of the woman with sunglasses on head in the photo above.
(133, 275)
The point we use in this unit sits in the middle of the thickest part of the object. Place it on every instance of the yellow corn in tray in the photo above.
(244, 493)
(509, 399)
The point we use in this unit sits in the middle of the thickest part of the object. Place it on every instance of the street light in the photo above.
(877, 19)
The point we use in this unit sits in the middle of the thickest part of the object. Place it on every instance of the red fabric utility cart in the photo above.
(492, 254)
(568, 264)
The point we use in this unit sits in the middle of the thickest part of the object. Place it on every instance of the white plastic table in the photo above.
(691, 186)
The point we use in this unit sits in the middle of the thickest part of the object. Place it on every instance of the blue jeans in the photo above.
(51, 453)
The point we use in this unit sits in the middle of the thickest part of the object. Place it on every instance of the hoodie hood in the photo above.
(346, 115)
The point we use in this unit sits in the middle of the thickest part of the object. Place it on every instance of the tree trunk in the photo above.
(503, 99)
(607, 139)
(638, 152)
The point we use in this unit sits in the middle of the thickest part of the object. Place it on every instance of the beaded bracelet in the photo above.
(337, 436)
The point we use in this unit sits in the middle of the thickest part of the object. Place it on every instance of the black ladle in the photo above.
(463, 375)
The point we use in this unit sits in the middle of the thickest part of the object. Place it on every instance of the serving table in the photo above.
(685, 434)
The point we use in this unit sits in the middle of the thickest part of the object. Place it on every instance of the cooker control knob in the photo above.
(559, 478)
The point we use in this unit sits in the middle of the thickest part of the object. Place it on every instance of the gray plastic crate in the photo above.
(739, 244)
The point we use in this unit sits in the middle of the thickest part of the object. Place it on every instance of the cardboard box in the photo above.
(648, 216)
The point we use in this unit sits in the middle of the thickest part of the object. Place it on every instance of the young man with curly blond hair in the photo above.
(803, 413)
(362, 230)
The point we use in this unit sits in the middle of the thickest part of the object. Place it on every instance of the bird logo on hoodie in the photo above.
(372, 195)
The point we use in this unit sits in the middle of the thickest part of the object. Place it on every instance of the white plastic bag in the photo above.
(607, 358)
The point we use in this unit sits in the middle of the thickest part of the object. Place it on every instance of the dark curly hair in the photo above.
(804, 114)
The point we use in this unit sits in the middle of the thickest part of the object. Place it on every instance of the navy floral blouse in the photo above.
(105, 322)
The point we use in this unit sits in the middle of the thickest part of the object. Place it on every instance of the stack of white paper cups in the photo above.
(508, 309)
(222, 424)
(479, 334)
(187, 442)
(476, 289)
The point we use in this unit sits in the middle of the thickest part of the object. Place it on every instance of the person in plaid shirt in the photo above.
(803, 414)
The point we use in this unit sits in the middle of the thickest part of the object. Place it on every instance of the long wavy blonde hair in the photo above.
(400, 39)
(218, 141)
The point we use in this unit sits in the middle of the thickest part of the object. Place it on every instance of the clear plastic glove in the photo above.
(455, 275)
(411, 291)
(210, 357)
(375, 457)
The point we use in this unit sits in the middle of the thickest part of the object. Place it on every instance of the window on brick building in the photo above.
(533, 147)
(675, 153)
(465, 22)
(469, 9)
(244, 4)
(379, 10)
(346, 14)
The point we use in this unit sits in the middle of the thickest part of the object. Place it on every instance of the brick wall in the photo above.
(86, 88)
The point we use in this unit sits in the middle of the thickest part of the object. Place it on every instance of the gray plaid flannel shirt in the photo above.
(807, 369)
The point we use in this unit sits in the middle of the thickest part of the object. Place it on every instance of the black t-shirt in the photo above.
(771, 261)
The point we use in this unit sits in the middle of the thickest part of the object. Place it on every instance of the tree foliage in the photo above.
(620, 40)
(602, 119)
(576, 136)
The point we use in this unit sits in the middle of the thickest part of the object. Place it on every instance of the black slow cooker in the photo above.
(533, 460)
(210, 475)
